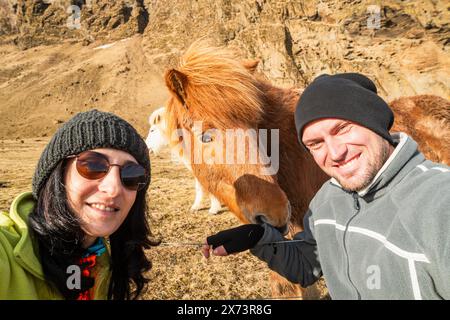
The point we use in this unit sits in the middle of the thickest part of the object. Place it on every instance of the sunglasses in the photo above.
(93, 166)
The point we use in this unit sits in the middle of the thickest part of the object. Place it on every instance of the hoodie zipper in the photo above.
(357, 207)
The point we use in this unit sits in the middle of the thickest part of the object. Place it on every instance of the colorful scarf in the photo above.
(88, 262)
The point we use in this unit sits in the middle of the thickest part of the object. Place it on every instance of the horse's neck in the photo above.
(298, 175)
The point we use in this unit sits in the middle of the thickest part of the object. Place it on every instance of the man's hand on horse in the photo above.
(233, 240)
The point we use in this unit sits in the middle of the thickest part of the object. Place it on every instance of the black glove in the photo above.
(237, 239)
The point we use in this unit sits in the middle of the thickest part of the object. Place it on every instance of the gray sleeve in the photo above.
(444, 272)
(436, 233)
(297, 261)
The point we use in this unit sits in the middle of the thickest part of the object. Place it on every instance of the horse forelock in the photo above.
(219, 89)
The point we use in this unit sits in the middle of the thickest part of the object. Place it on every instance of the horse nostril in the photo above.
(283, 230)
(260, 219)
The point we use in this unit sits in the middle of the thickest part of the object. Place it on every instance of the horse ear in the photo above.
(176, 82)
(250, 64)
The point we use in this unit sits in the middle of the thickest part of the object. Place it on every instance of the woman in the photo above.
(82, 232)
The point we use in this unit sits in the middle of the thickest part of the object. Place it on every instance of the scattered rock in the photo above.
(4, 184)
(123, 70)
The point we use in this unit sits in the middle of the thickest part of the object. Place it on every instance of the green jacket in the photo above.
(389, 241)
(21, 275)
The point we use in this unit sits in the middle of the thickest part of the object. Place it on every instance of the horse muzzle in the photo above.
(262, 218)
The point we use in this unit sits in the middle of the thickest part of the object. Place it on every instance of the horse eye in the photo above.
(206, 138)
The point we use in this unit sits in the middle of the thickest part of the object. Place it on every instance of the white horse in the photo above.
(157, 139)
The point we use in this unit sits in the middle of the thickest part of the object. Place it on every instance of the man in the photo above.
(379, 228)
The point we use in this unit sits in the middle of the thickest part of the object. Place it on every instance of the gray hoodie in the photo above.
(389, 241)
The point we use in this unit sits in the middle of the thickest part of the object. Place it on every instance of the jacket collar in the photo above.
(405, 157)
(25, 252)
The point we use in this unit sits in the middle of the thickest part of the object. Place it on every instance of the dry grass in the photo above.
(182, 272)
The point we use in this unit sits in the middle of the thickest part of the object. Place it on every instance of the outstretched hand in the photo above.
(233, 240)
(219, 251)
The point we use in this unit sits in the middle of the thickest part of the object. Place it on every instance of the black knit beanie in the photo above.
(348, 96)
(86, 131)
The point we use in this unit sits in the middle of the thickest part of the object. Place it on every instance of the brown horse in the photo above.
(212, 86)
(426, 118)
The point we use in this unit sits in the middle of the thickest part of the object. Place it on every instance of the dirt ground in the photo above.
(43, 87)
(178, 272)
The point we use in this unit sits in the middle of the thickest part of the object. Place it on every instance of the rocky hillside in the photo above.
(54, 64)
(407, 52)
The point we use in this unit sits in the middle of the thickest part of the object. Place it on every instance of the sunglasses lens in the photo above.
(92, 166)
(133, 176)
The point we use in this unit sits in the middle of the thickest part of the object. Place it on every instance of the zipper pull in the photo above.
(355, 201)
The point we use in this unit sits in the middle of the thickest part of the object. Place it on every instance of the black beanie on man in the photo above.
(347, 96)
(86, 131)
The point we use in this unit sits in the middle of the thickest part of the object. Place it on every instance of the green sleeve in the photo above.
(5, 267)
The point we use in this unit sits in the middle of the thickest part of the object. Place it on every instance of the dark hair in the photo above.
(59, 235)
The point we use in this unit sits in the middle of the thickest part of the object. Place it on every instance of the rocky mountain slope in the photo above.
(59, 57)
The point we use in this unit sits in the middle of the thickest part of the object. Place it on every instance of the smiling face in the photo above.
(346, 151)
(101, 205)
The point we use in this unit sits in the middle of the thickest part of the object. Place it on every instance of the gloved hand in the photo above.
(237, 239)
